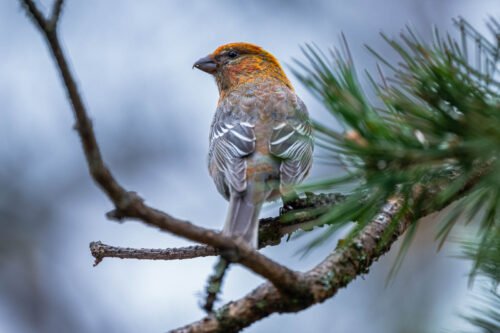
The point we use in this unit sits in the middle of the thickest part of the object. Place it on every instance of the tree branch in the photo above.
(56, 12)
(342, 266)
(36, 14)
(100, 251)
(299, 215)
(336, 271)
(323, 281)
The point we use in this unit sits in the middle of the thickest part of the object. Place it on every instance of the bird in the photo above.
(260, 141)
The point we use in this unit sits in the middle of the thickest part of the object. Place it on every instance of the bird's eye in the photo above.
(232, 54)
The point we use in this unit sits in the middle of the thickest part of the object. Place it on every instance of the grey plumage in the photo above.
(243, 216)
(260, 145)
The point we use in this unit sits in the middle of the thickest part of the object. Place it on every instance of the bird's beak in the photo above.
(206, 64)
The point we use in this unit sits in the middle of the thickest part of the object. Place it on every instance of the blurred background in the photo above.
(152, 114)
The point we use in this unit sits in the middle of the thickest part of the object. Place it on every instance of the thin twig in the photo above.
(36, 14)
(214, 283)
(100, 251)
(56, 12)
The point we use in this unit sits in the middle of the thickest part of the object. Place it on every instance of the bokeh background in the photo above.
(152, 113)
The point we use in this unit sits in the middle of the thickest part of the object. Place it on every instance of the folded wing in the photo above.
(291, 141)
(230, 141)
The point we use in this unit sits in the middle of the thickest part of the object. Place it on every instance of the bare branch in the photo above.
(101, 251)
(97, 168)
(35, 13)
(300, 215)
(47, 25)
(56, 12)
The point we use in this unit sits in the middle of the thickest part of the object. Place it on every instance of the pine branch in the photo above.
(437, 115)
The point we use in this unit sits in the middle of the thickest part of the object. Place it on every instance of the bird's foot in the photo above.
(291, 201)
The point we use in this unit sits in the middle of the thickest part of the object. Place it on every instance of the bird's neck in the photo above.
(248, 72)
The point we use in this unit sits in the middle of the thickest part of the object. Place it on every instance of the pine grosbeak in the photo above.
(260, 138)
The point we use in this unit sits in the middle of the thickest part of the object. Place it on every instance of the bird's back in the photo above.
(263, 106)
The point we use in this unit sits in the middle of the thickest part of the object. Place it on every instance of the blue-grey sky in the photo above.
(152, 112)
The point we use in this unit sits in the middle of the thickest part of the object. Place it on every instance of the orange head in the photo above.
(238, 63)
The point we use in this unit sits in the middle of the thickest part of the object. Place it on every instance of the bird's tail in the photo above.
(243, 218)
